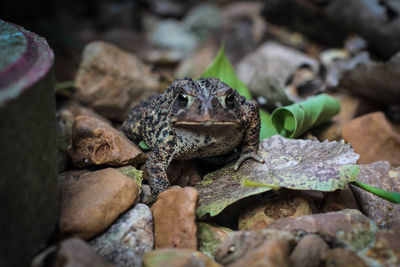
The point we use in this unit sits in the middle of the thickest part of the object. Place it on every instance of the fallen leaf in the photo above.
(293, 164)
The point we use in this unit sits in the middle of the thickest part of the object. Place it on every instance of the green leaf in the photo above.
(64, 85)
(294, 120)
(390, 196)
(267, 129)
(222, 69)
(144, 146)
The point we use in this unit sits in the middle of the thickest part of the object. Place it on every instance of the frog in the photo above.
(193, 119)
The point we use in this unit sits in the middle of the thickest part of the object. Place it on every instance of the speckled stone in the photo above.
(128, 239)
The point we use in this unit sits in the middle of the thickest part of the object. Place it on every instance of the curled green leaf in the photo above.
(294, 120)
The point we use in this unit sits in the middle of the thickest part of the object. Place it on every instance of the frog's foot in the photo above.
(249, 152)
(158, 185)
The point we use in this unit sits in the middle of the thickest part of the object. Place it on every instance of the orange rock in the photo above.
(374, 138)
(92, 201)
(174, 218)
(96, 142)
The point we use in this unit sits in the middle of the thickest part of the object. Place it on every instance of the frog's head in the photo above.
(205, 102)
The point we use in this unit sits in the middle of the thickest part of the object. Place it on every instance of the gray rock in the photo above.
(267, 70)
(172, 34)
(72, 252)
(146, 197)
(185, 36)
(308, 251)
(127, 240)
(381, 175)
(347, 228)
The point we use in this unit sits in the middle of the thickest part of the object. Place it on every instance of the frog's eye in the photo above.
(185, 100)
(230, 100)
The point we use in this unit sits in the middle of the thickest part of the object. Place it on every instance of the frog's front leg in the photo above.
(156, 165)
(252, 134)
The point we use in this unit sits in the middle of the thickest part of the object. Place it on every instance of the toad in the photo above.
(193, 119)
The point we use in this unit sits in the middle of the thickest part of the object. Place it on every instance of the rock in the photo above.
(171, 34)
(286, 205)
(174, 218)
(168, 8)
(210, 237)
(133, 173)
(374, 138)
(255, 248)
(340, 257)
(332, 130)
(187, 34)
(96, 142)
(339, 61)
(308, 252)
(385, 251)
(92, 201)
(112, 81)
(177, 258)
(381, 175)
(146, 196)
(72, 252)
(270, 253)
(77, 109)
(349, 228)
(267, 70)
(128, 239)
(376, 81)
(195, 22)
(369, 19)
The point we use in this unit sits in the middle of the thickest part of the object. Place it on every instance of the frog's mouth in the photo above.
(206, 123)
(205, 120)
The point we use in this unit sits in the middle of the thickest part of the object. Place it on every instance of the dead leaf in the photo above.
(294, 164)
